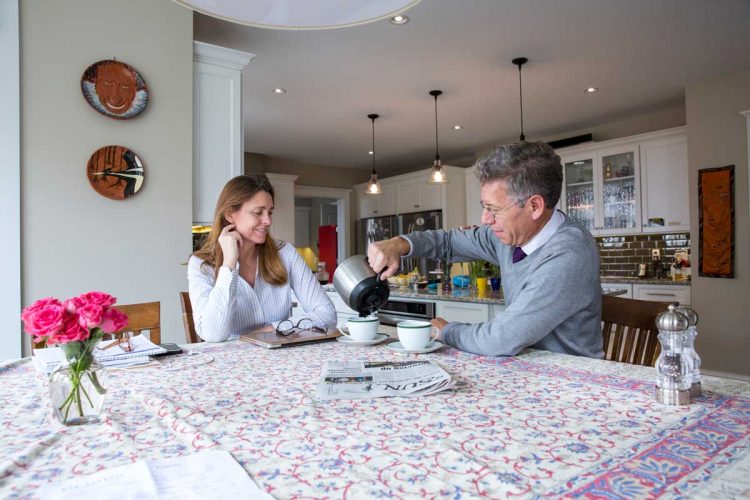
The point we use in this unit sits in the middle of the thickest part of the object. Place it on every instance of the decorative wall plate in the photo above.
(114, 89)
(115, 172)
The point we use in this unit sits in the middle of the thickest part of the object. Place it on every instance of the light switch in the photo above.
(655, 253)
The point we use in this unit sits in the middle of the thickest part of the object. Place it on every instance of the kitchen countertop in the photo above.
(642, 281)
(456, 295)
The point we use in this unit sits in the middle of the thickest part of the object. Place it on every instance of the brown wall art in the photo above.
(716, 222)
(115, 172)
(114, 89)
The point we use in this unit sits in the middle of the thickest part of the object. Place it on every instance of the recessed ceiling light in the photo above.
(399, 19)
(279, 90)
(370, 152)
(591, 90)
(457, 127)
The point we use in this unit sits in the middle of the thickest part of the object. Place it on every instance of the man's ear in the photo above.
(537, 205)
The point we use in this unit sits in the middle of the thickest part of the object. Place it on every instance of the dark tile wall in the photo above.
(620, 255)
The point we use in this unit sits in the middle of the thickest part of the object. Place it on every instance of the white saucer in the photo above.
(380, 337)
(432, 346)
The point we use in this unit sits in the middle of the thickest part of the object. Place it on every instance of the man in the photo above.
(549, 265)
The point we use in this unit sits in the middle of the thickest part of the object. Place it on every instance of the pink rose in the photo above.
(98, 298)
(113, 320)
(71, 331)
(90, 315)
(72, 305)
(39, 304)
(45, 320)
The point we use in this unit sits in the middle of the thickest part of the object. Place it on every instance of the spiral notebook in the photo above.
(47, 359)
(273, 340)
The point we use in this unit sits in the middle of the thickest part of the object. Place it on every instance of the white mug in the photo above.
(415, 334)
(361, 329)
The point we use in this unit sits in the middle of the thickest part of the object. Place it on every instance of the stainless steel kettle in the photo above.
(359, 286)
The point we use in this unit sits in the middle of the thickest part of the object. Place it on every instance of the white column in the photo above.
(218, 138)
(10, 182)
(283, 213)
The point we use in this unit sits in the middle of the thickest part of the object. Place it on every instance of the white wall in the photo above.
(75, 240)
(717, 137)
(10, 181)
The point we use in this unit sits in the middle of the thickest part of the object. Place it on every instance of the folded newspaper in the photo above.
(366, 379)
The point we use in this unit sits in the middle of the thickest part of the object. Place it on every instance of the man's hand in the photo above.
(439, 323)
(386, 255)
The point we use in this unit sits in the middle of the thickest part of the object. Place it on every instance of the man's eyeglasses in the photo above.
(494, 212)
(288, 327)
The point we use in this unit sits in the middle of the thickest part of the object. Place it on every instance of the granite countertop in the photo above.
(642, 281)
(455, 295)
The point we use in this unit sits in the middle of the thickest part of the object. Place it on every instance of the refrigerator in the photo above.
(382, 228)
(420, 221)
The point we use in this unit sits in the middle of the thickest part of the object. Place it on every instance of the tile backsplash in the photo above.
(620, 255)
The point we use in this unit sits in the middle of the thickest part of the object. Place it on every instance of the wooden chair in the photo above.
(629, 330)
(145, 316)
(187, 319)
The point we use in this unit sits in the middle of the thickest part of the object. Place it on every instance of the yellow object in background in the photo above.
(309, 257)
(481, 286)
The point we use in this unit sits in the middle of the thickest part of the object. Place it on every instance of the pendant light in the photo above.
(437, 175)
(373, 186)
(520, 61)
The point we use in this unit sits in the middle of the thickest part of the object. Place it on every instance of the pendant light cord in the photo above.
(437, 150)
(373, 146)
(520, 61)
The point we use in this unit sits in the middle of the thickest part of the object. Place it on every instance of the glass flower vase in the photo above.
(77, 387)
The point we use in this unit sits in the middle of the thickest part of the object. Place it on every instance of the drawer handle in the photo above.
(662, 294)
(374, 211)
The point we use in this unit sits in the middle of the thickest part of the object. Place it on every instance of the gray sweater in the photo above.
(553, 297)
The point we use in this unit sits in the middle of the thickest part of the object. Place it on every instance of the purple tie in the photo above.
(518, 255)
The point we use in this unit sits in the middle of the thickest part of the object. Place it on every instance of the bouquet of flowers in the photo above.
(77, 325)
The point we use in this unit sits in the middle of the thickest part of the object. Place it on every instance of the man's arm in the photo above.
(386, 255)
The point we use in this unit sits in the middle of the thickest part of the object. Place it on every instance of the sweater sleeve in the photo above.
(212, 303)
(555, 291)
(455, 245)
(316, 304)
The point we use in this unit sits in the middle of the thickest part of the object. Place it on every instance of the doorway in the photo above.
(326, 206)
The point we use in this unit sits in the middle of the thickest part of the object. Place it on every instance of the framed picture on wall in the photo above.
(716, 222)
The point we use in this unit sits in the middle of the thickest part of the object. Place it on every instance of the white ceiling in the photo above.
(640, 53)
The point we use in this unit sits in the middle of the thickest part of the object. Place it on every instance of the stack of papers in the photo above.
(208, 474)
(366, 379)
(46, 360)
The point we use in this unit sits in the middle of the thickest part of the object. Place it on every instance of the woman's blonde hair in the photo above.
(236, 192)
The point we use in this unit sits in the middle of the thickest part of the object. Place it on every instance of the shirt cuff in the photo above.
(411, 246)
(226, 277)
(449, 333)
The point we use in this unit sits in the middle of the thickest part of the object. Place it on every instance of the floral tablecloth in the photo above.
(537, 425)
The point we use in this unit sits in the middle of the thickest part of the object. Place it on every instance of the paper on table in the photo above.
(208, 474)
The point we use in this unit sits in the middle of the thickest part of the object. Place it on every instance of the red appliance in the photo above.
(327, 247)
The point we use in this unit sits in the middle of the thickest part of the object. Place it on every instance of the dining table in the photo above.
(535, 425)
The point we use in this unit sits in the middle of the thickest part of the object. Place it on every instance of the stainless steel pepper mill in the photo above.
(673, 369)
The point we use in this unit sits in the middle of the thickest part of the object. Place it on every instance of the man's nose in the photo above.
(487, 217)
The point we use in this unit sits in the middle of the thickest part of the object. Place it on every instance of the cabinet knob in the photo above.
(416, 206)
(374, 211)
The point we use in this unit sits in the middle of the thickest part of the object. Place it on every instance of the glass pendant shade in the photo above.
(373, 185)
(437, 175)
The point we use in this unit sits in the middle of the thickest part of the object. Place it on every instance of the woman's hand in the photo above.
(230, 242)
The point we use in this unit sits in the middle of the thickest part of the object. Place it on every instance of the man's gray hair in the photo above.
(527, 168)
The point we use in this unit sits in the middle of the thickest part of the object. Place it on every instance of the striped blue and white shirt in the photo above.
(224, 309)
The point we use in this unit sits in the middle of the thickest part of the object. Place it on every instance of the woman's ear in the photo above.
(228, 218)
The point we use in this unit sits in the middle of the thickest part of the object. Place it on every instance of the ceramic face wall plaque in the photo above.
(115, 172)
(114, 89)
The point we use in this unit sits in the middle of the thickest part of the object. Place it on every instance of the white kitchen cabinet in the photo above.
(377, 205)
(416, 195)
(601, 188)
(663, 293)
(473, 198)
(409, 193)
(462, 312)
(664, 183)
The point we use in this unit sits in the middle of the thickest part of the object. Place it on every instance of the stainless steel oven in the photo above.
(396, 310)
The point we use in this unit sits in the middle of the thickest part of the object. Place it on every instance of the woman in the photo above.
(240, 279)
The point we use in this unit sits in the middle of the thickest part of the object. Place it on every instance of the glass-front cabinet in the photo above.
(601, 189)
